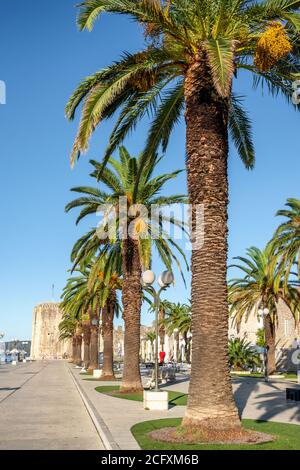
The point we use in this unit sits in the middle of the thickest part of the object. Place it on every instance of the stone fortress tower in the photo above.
(45, 333)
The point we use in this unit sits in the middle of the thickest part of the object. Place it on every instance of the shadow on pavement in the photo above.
(9, 389)
(270, 403)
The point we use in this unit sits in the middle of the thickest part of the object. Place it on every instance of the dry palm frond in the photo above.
(143, 80)
(153, 31)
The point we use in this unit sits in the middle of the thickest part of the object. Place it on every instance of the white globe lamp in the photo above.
(165, 279)
(148, 278)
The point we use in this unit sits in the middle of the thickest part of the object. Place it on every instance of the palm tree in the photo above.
(132, 237)
(75, 298)
(262, 286)
(164, 305)
(178, 321)
(242, 355)
(151, 336)
(286, 240)
(194, 50)
(185, 329)
(260, 338)
(107, 282)
(86, 336)
(82, 301)
(69, 329)
(109, 310)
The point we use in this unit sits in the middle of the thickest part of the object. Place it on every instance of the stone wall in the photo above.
(45, 333)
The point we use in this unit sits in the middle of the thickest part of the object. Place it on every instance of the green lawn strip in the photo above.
(290, 376)
(251, 375)
(92, 379)
(287, 436)
(175, 398)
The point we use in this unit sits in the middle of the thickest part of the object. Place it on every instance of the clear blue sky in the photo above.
(43, 58)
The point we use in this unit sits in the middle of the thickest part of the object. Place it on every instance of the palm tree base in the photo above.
(211, 427)
(131, 388)
(195, 434)
(107, 378)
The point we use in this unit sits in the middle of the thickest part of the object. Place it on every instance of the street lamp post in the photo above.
(263, 312)
(164, 281)
(95, 324)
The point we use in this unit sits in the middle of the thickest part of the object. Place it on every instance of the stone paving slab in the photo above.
(45, 411)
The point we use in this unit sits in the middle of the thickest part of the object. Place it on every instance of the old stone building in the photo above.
(45, 333)
(287, 331)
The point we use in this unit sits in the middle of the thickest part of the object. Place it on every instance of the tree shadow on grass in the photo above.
(173, 403)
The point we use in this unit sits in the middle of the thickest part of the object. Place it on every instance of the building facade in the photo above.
(287, 333)
(45, 333)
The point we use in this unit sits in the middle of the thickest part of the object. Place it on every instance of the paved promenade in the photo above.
(255, 399)
(259, 400)
(40, 408)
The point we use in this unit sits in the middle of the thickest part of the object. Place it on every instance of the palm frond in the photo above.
(167, 116)
(241, 132)
(221, 58)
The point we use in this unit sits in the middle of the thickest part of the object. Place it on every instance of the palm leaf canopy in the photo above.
(177, 317)
(262, 284)
(78, 297)
(286, 240)
(132, 201)
(67, 326)
(261, 38)
(88, 290)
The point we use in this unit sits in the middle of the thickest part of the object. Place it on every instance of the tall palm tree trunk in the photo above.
(108, 337)
(86, 343)
(94, 345)
(78, 344)
(132, 302)
(271, 345)
(211, 404)
(74, 348)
